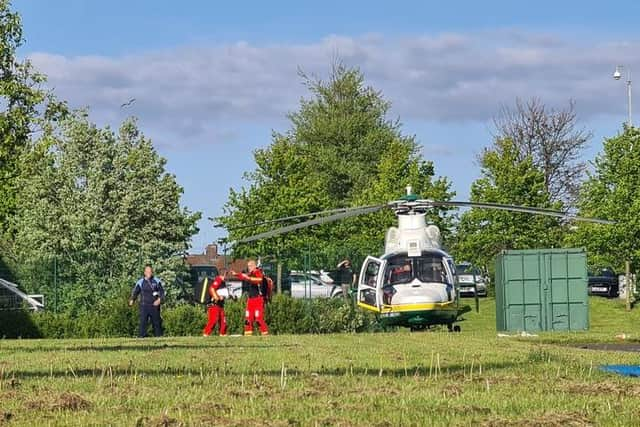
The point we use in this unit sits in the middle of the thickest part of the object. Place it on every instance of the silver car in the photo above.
(468, 275)
(304, 285)
(234, 288)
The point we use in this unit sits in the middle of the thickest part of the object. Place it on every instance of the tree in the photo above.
(341, 151)
(553, 141)
(612, 191)
(506, 178)
(100, 204)
(26, 109)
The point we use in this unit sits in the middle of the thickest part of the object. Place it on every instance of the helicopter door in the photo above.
(369, 283)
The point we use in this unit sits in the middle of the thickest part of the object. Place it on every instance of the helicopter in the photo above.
(414, 283)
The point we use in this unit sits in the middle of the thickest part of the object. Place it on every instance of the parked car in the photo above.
(234, 288)
(325, 276)
(603, 282)
(306, 285)
(468, 275)
(199, 272)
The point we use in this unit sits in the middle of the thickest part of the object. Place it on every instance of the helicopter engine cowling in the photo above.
(412, 235)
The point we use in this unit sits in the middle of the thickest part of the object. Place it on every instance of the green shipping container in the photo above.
(542, 290)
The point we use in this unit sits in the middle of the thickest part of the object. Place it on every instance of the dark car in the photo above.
(603, 282)
(199, 272)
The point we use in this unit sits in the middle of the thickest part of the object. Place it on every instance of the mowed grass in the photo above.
(385, 379)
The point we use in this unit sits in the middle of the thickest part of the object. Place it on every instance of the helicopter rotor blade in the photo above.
(523, 209)
(286, 218)
(315, 221)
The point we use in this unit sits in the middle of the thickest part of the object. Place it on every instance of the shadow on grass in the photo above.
(144, 347)
(453, 371)
(627, 347)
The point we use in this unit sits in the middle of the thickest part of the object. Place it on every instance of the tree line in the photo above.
(342, 150)
(90, 205)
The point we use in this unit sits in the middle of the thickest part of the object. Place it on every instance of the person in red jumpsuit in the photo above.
(215, 309)
(255, 303)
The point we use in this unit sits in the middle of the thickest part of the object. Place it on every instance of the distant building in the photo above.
(210, 262)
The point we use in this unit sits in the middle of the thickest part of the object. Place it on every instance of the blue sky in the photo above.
(212, 79)
(117, 26)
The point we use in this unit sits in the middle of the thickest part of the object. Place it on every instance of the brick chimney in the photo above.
(211, 251)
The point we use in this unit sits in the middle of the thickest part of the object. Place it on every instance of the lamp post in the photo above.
(617, 74)
(223, 242)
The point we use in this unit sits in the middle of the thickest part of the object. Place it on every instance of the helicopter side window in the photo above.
(452, 268)
(431, 269)
(371, 274)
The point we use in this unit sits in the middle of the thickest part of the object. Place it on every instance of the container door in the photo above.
(369, 283)
(523, 294)
(567, 307)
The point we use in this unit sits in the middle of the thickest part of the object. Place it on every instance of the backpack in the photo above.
(266, 289)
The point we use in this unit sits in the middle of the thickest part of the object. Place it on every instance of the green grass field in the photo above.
(386, 379)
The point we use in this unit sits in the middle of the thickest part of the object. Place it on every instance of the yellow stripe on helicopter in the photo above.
(410, 307)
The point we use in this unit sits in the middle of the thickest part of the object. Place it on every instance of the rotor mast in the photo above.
(412, 234)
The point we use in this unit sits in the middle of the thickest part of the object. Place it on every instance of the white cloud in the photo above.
(196, 93)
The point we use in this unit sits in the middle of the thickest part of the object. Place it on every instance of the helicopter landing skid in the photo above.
(422, 321)
(453, 328)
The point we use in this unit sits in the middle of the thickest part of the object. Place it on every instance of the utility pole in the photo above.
(279, 266)
(627, 280)
(279, 277)
(617, 75)
(55, 283)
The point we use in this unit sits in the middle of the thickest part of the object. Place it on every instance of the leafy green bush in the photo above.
(56, 325)
(319, 316)
(113, 318)
(117, 319)
(286, 315)
(183, 320)
(17, 324)
(234, 312)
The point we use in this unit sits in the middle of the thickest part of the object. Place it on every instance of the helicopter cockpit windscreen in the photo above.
(429, 268)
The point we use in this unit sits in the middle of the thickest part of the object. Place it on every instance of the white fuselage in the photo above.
(417, 239)
(431, 279)
(413, 274)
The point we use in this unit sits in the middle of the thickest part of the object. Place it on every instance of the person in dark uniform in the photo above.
(345, 276)
(151, 296)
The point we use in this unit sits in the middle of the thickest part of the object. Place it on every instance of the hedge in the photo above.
(284, 315)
